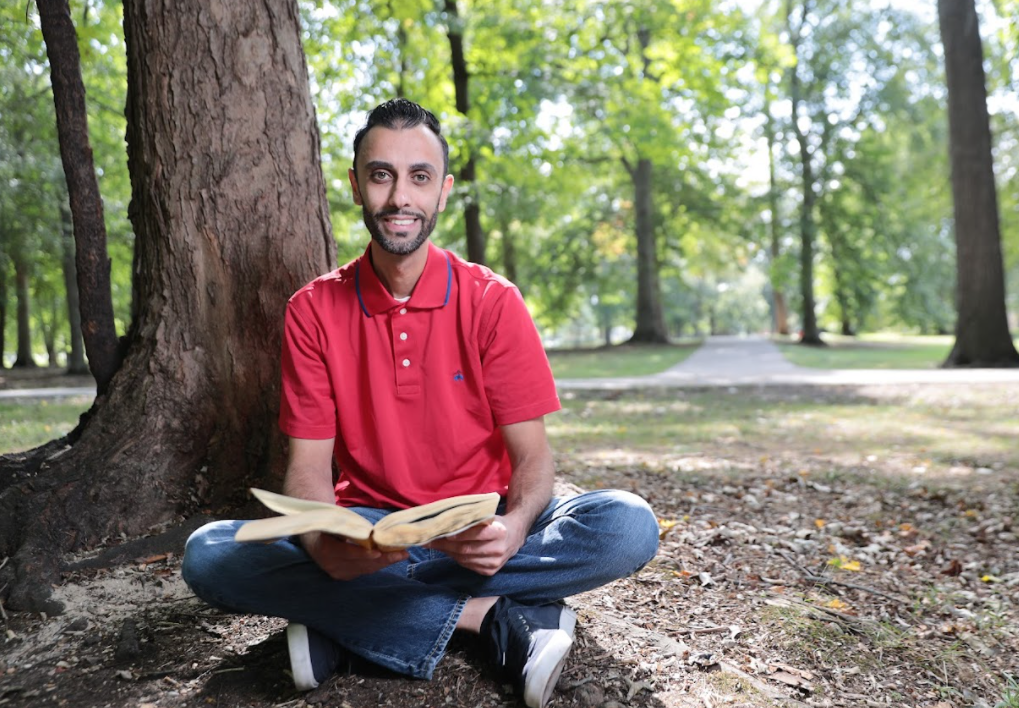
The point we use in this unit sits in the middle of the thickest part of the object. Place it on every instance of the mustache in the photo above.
(383, 213)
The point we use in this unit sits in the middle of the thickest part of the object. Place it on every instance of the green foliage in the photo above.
(565, 98)
(1010, 697)
(34, 191)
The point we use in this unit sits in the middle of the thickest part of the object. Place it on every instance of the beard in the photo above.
(399, 247)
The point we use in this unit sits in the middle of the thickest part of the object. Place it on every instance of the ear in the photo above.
(354, 188)
(447, 187)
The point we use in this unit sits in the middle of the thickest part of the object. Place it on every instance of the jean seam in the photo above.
(439, 648)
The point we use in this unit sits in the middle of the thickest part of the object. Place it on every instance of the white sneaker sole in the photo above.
(300, 657)
(546, 667)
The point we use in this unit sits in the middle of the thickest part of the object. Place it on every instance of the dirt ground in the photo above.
(43, 377)
(779, 582)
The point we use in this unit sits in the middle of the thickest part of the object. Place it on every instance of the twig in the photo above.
(699, 630)
(822, 580)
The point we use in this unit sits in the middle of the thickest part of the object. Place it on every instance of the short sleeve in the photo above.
(518, 379)
(307, 407)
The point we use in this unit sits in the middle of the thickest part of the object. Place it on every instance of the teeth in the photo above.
(403, 222)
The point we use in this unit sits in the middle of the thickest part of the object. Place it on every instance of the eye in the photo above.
(421, 177)
(379, 175)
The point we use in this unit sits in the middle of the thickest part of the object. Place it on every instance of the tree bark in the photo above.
(230, 218)
(780, 310)
(808, 226)
(24, 358)
(509, 254)
(76, 355)
(650, 328)
(3, 305)
(982, 337)
(93, 264)
(476, 237)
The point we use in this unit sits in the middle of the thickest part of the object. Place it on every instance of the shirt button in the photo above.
(403, 335)
(406, 363)
(403, 310)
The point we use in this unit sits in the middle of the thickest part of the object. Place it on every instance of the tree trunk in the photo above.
(509, 254)
(93, 264)
(468, 173)
(779, 308)
(24, 359)
(808, 227)
(650, 322)
(230, 218)
(3, 306)
(49, 333)
(76, 356)
(982, 336)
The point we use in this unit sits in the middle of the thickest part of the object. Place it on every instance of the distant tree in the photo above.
(23, 293)
(982, 337)
(230, 218)
(476, 237)
(796, 25)
(92, 264)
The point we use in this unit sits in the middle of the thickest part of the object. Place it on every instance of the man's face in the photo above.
(399, 186)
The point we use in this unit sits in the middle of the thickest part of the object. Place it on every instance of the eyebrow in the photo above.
(416, 167)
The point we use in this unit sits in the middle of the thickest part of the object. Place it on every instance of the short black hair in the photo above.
(398, 114)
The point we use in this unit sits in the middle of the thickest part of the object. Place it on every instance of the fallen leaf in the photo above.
(843, 563)
(916, 548)
(791, 680)
(664, 526)
(636, 688)
(953, 568)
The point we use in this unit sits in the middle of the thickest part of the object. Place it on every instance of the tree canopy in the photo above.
(612, 158)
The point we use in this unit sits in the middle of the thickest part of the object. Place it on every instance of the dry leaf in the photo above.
(791, 680)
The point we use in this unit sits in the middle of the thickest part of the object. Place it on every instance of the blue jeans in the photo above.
(402, 617)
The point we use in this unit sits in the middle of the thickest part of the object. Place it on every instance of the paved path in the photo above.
(35, 393)
(736, 361)
(720, 361)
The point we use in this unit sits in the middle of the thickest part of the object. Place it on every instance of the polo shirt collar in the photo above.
(432, 289)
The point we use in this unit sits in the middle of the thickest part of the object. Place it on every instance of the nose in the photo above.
(398, 195)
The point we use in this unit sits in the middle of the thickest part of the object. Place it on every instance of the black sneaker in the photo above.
(530, 644)
(313, 656)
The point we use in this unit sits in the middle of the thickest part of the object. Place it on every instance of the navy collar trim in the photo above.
(360, 298)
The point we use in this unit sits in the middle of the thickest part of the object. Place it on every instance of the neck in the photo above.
(399, 274)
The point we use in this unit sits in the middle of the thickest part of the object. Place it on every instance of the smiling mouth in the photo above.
(401, 222)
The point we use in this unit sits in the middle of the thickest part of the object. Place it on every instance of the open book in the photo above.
(408, 527)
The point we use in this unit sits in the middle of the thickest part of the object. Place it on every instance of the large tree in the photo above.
(982, 336)
(230, 217)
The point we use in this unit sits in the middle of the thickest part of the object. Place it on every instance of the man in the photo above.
(421, 376)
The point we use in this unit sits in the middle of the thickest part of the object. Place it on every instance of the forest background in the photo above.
(633, 167)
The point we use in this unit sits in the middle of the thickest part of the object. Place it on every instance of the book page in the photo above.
(421, 524)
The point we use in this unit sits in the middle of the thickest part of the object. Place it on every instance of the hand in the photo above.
(484, 548)
(343, 560)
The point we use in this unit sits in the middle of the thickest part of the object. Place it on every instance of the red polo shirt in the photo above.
(413, 392)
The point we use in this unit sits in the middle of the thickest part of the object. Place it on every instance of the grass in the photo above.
(25, 424)
(977, 429)
(621, 360)
(871, 352)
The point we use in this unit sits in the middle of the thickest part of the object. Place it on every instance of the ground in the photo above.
(839, 558)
